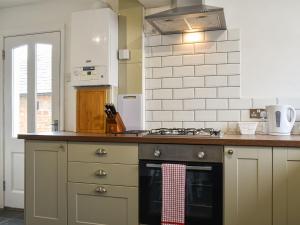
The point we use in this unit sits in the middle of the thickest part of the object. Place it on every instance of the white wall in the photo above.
(270, 37)
(49, 13)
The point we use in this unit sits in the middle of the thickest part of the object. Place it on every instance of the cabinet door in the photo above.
(286, 186)
(118, 205)
(46, 183)
(248, 186)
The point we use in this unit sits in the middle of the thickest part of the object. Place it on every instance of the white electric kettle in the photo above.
(281, 119)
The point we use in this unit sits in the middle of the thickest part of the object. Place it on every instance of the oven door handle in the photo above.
(199, 168)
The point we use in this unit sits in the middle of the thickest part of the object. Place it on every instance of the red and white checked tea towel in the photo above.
(173, 206)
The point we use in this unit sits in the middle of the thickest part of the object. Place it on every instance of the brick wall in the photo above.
(198, 85)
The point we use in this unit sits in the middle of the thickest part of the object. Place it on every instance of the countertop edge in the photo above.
(227, 140)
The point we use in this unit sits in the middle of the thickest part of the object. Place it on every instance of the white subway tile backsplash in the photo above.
(294, 102)
(153, 84)
(172, 83)
(194, 104)
(229, 115)
(219, 35)
(148, 73)
(148, 52)
(229, 92)
(153, 40)
(234, 57)
(195, 85)
(206, 70)
(153, 62)
(172, 61)
(204, 93)
(153, 105)
(172, 125)
(228, 46)
(172, 105)
(263, 102)
(216, 58)
(228, 69)
(193, 59)
(148, 94)
(298, 115)
(216, 103)
(162, 116)
(234, 81)
(196, 125)
(185, 49)
(148, 116)
(162, 72)
(244, 103)
(172, 39)
(217, 125)
(153, 125)
(183, 71)
(162, 51)
(185, 93)
(193, 82)
(206, 47)
(206, 115)
(215, 81)
(162, 94)
(183, 115)
(234, 34)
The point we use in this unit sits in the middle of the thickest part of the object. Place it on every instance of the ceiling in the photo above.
(154, 3)
(11, 3)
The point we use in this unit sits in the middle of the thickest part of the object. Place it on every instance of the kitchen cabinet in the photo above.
(90, 109)
(248, 186)
(103, 184)
(102, 204)
(46, 183)
(286, 186)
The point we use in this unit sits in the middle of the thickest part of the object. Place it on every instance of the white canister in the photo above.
(281, 119)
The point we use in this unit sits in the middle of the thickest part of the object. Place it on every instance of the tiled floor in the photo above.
(11, 217)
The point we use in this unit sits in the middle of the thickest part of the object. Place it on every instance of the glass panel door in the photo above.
(31, 99)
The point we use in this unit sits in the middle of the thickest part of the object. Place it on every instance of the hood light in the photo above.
(193, 37)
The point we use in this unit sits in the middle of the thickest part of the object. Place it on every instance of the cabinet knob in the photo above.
(101, 190)
(201, 155)
(101, 152)
(230, 152)
(101, 173)
(157, 153)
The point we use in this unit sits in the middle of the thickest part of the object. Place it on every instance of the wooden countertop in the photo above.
(237, 140)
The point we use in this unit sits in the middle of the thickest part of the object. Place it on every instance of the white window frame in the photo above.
(27, 31)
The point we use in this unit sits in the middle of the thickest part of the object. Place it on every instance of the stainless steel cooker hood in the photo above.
(188, 16)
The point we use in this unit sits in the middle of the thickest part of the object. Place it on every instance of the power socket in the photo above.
(257, 113)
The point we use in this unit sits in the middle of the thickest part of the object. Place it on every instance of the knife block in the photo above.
(115, 124)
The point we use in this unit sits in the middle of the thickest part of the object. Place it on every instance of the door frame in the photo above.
(19, 32)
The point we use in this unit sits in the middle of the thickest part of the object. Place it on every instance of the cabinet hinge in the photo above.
(3, 54)
(4, 185)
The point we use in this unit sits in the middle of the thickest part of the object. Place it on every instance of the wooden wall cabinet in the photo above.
(248, 186)
(90, 116)
(45, 183)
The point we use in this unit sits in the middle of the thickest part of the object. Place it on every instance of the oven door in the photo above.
(203, 193)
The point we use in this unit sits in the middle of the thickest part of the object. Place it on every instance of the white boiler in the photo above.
(94, 48)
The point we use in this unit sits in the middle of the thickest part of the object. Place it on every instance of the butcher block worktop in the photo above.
(237, 140)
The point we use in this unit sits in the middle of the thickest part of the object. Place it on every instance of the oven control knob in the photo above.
(201, 155)
(157, 153)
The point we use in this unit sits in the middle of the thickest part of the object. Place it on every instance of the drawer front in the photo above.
(97, 173)
(111, 205)
(103, 153)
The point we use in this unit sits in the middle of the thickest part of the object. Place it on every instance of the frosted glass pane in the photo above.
(44, 87)
(19, 90)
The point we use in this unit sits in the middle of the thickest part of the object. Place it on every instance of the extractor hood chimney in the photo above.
(188, 16)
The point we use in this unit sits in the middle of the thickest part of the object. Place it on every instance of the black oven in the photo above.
(204, 183)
